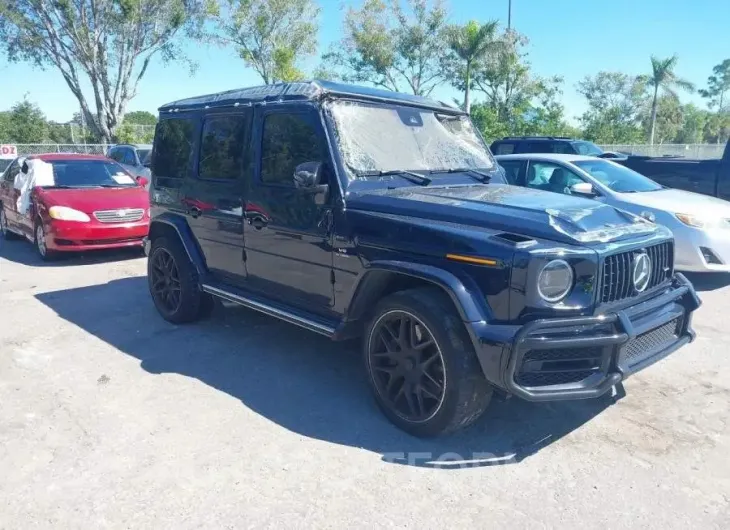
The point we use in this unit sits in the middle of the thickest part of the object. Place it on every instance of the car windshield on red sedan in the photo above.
(90, 174)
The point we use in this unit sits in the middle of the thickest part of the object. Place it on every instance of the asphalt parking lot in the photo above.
(112, 418)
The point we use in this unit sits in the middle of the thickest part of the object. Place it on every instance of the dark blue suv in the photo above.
(356, 212)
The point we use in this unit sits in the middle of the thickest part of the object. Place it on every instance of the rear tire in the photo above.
(4, 230)
(431, 356)
(174, 284)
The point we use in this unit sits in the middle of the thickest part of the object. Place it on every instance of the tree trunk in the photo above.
(653, 115)
(467, 103)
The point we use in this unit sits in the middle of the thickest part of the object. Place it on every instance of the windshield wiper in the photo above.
(408, 175)
(114, 185)
(58, 187)
(476, 174)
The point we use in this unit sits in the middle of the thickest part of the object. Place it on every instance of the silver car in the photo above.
(134, 158)
(701, 224)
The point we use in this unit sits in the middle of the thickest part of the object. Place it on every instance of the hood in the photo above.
(502, 207)
(89, 200)
(677, 201)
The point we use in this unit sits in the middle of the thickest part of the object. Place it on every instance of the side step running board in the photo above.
(270, 310)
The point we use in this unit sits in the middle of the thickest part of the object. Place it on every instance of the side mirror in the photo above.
(583, 188)
(142, 181)
(307, 177)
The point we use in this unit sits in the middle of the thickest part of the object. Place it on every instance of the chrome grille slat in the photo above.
(617, 276)
(120, 215)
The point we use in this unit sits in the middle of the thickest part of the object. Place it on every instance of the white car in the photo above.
(701, 224)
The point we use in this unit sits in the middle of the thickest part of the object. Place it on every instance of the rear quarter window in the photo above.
(503, 148)
(173, 147)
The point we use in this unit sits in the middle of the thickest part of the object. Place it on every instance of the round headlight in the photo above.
(555, 281)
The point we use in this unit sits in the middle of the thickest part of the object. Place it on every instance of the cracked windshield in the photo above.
(391, 138)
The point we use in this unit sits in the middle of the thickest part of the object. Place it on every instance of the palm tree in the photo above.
(664, 77)
(469, 44)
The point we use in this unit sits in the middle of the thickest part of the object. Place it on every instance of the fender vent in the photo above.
(515, 240)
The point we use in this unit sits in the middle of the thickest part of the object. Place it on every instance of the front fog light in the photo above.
(555, 281)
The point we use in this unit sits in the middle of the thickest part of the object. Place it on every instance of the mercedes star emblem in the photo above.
(642, 271)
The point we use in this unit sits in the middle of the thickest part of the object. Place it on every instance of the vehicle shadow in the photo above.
(708, 281)
(23, 252)
(303, 382)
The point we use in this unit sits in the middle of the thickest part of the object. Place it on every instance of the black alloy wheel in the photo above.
(407, 366)
(421, 363)
(165, 280)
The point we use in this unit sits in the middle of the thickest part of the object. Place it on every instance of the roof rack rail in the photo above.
(537, 138)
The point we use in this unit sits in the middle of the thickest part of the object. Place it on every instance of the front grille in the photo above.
(122, 215)
(558, 366)
(617, 279)
(650, 343)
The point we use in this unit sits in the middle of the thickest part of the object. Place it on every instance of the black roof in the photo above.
(305, 90)
(537, 138)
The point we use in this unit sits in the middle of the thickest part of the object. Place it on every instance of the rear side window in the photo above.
(563, 147)
(173, 147)
(222, 145)
(503, 148)
(538, 147)
(128, 158)
(288, 140)
(115, 154)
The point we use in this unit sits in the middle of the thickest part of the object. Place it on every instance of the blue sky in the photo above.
(570, 38)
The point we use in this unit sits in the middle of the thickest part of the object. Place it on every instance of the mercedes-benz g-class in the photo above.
(356, 212)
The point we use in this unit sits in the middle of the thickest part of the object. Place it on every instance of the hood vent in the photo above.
(515, 240)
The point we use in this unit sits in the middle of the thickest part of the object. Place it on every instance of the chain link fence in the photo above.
(37, 149)
(701, 151)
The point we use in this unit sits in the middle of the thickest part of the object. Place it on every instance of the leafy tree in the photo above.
(616, 103)
(516, 101)
(141, 117)
(4, 126)
(271, 36)
(663, 77)
(395, 44)
(486, 119)
(717, 128)
(718, 86)
(693, 125)
(548, 116)
(468, 46)
(101, 46)
(506, 80)
(26, 124)
(669, 119)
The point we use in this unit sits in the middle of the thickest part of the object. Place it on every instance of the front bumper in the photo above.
(70, 236)
(699, 250)
(584, 357)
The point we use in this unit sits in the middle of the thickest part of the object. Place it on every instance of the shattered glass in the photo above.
(390, 137)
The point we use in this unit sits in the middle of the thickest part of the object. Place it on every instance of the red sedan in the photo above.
(93, 204)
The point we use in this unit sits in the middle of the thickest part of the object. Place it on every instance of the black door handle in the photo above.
(194, 211)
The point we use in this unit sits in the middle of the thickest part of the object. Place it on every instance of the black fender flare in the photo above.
(167, 221)
(465, 295)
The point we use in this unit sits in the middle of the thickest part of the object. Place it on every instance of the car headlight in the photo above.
(555, 281)
(692, 220)
(64, 213)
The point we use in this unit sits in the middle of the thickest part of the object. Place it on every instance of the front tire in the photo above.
(173, 283)
(43, 251)
(421, 364)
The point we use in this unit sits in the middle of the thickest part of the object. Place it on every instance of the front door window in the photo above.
(551, 177)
